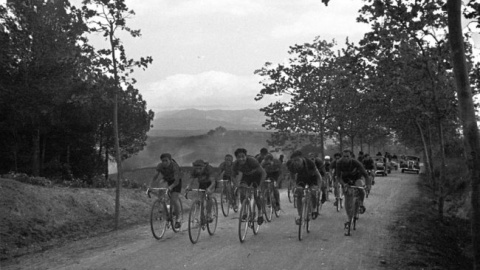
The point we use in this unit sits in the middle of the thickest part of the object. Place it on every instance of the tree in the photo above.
(110, 16)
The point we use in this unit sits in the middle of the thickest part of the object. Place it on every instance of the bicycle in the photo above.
(198, 218)
(306, 211)
(227, 197)
(162, 216)
(270, 201)
(248, 216)
(290, 190)
(372, 177)
(338, 196)
(352, 207)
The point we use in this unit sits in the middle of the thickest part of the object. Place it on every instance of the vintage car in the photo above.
(410, 164)
(381, 166)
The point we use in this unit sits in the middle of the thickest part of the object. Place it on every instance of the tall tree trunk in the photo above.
(36, 153)
(425, 147)
(467, 116)
(115, 130)
(442, 180)
(106, 163)
(322, 139)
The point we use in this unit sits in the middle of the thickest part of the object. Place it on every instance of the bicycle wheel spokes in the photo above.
(243, 220)
(268, 205)
(194, 222)
(224, 202)
(212, 226)
(308, 214)
(158, 219)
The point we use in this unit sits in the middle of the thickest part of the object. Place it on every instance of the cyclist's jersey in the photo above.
(273, 169)
(327, 166)
(170, 173)
(368, 164)
(251, 171)
(320, 166)
(350, 170)
(306, 175)
(227, 169)
(203, 176)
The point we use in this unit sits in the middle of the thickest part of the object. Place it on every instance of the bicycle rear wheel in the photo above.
(290, 191)
(318, 205)
(211, 227)
(276, 209)
(194, 222)
(225, 202)
(243, 220)
(158, 219)
(174, 219)
(255, 214)
(268, 204)
(339, 203)
(308, 215)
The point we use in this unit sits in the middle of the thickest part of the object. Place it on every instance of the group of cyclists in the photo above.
(246, 170)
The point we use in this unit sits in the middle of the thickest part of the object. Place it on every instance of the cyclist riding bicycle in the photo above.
(305, 172)
(248, 172)
(273, 168)
(370, 166)
(203, 173)
(338, 193)
(226, 173)
(350, 171)
(262, 155)
(169, 172)
(321, 169)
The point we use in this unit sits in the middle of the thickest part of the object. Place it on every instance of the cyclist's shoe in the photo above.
(209, 219)
(260, 220)
(178, 225)
(298, 221)
(362, 209)
(314, 215)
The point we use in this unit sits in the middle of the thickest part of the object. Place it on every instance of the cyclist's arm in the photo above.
(318, 176)
(189, 186)
(155, 177)
(263, 177)
(238, 177)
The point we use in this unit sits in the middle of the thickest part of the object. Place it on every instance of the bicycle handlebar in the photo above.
(195, 189)
(158, 189)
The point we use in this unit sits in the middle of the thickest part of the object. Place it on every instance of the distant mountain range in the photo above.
(199, 120)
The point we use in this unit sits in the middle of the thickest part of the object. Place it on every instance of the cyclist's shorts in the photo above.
(249, 182)
(177, 188)
(359, 182)
(204, 185)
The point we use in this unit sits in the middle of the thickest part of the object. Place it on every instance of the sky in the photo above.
(205, 52)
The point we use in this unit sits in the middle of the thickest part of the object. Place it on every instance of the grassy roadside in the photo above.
(426, 242)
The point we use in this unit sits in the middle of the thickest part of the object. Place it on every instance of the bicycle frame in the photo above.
(248, 210)
(164, 203)
(228, 190)
(352, 198)
(201, 221)
(306, 211)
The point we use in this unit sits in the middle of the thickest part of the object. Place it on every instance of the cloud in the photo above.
(207, 90)
(336, 20)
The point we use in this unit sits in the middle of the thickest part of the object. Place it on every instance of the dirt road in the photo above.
(275, 247)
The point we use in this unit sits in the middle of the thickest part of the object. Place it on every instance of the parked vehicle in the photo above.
(381, 166)
(410, 164)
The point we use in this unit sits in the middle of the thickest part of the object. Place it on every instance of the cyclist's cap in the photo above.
(327, 157)
(198, 162)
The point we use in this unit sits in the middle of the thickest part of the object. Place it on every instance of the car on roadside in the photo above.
(410, 164)
(381, 165)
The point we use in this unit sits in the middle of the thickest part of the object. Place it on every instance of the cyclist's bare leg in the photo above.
(361, 183)
(276, 194)
(176, 205)
(299, 194)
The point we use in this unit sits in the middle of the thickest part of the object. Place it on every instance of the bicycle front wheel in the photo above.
(268, 204)
(224, 202)
(194, 222)
(356, 213)
(308, 214)
(302, 220)
(243, 220)
(158, 219)
(212, 226)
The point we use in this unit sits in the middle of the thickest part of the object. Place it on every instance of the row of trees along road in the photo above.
(66, 108)
(400, 81)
